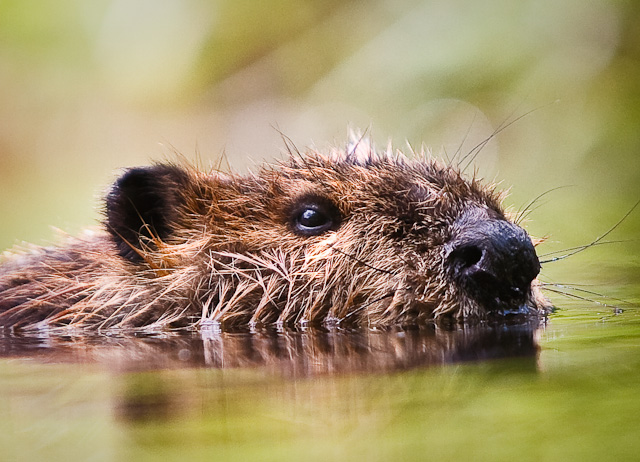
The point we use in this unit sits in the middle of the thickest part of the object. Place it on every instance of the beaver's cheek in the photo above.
(493, 262)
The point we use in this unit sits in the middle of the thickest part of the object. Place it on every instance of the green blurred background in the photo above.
(89, 87)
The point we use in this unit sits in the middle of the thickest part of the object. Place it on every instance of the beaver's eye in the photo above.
(311, 218)
(314, 218)
(312, 221)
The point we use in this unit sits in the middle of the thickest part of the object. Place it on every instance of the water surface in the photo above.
(564, 391)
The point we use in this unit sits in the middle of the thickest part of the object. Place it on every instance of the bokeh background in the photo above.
(87, 88)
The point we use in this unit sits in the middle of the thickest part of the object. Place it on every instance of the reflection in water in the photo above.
(153, 376)
(292, 353)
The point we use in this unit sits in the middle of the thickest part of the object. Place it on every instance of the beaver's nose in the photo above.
(493, 261)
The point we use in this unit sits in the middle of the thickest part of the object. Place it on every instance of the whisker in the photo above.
(366, 305)
(595, 241)
(584, 299)
(484, 142)
(288, 142)
(473, 153)
(575, 288)
(354, 146)
(464, 139)
(224, 159)
(593, 245)
(363, 263)
(293, 151)
(523, 212)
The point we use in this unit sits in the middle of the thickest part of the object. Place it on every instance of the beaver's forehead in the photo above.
(418, 193)
(382, 180)
(379, 171)
(418, 183)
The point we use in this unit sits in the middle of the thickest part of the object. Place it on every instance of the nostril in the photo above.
(492, 262)
(466, 256)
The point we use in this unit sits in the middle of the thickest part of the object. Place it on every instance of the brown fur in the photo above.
(231, 256)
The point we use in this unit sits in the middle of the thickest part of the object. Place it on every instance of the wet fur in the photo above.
(213, 248)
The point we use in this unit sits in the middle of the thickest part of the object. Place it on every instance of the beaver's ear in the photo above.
(143, 205)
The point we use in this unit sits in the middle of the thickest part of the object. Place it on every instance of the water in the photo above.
(484, 393)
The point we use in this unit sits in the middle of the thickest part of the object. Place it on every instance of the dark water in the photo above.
(291, 354)
(567, 390)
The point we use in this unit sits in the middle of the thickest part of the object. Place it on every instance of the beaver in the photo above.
(348, 237)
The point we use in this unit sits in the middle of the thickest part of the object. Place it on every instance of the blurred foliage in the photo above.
(88, 88)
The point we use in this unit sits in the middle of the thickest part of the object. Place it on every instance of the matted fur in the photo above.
(232, 257)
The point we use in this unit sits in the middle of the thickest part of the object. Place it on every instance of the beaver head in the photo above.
(352, 237)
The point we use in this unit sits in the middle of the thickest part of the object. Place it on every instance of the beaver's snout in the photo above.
(493, 261)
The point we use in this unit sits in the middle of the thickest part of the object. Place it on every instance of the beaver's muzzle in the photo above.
(493, 261)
